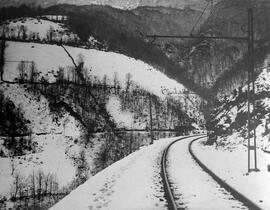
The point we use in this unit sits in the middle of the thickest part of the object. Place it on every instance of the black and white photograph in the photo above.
(134, 104)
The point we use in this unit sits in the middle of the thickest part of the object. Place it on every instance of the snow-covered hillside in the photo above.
(49, 58)
(37, 29)
(231, 117)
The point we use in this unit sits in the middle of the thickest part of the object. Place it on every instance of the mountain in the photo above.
(205, 66)
(122, 4)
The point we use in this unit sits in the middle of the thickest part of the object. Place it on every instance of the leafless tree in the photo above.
(22, 71)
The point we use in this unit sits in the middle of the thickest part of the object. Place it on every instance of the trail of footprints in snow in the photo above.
(101, 199)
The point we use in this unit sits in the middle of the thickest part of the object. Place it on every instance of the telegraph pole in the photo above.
(151, 121)
(252, 146)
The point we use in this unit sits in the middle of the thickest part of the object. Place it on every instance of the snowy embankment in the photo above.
(231, 166)
(131, 183)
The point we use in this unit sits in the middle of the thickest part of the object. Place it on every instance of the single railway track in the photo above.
(167, 188)
(172, 205)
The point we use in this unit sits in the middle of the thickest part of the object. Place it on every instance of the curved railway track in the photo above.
(172, 205)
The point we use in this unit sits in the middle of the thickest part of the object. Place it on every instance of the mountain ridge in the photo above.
(125, 5)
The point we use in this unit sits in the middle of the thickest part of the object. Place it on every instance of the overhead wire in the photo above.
(196, 23)
(263, 11)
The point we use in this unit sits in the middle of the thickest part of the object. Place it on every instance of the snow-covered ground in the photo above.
(122, 118)
(231, 166)
(55, 150)
(36, 29)
(49, 58)
(35, 109)
(131, 183)
(193, 188)
(55, 138)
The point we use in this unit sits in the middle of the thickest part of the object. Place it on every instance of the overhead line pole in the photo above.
(251, 97)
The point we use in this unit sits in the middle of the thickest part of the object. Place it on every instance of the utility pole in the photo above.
(252, 146)
(251, 78)
(151, 121)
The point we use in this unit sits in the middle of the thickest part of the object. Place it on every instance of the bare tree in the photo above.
(22, 71)
(82, 168)
(116, 83)
(39, 178)
(2, 57)
(33, 72)
(33, 185)
(50, 34)
(60, 75)
(17, 185)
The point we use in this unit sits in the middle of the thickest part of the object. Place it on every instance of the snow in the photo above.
(140, 71)
(36, 110)
(131, 183)
(52, 144)
(49, 58)
(122, 118)
(52, 159)
(36, 27)
(194, 188)
(231, 166)
(233, 110)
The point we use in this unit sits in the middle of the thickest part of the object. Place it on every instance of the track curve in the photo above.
(172, 204)
(164, 174)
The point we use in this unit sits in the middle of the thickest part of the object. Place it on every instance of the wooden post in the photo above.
(251, 94)
(151, 121)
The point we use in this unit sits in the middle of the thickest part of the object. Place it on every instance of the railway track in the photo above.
(168, 190)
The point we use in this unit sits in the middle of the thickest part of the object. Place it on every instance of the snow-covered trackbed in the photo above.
(238, 195)
(189, 184)
(167, 188)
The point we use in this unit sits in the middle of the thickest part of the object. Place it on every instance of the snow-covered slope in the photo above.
(231, 117)
(36, 29)
(49, 58)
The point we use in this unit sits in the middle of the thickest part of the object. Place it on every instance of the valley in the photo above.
(85, 91)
